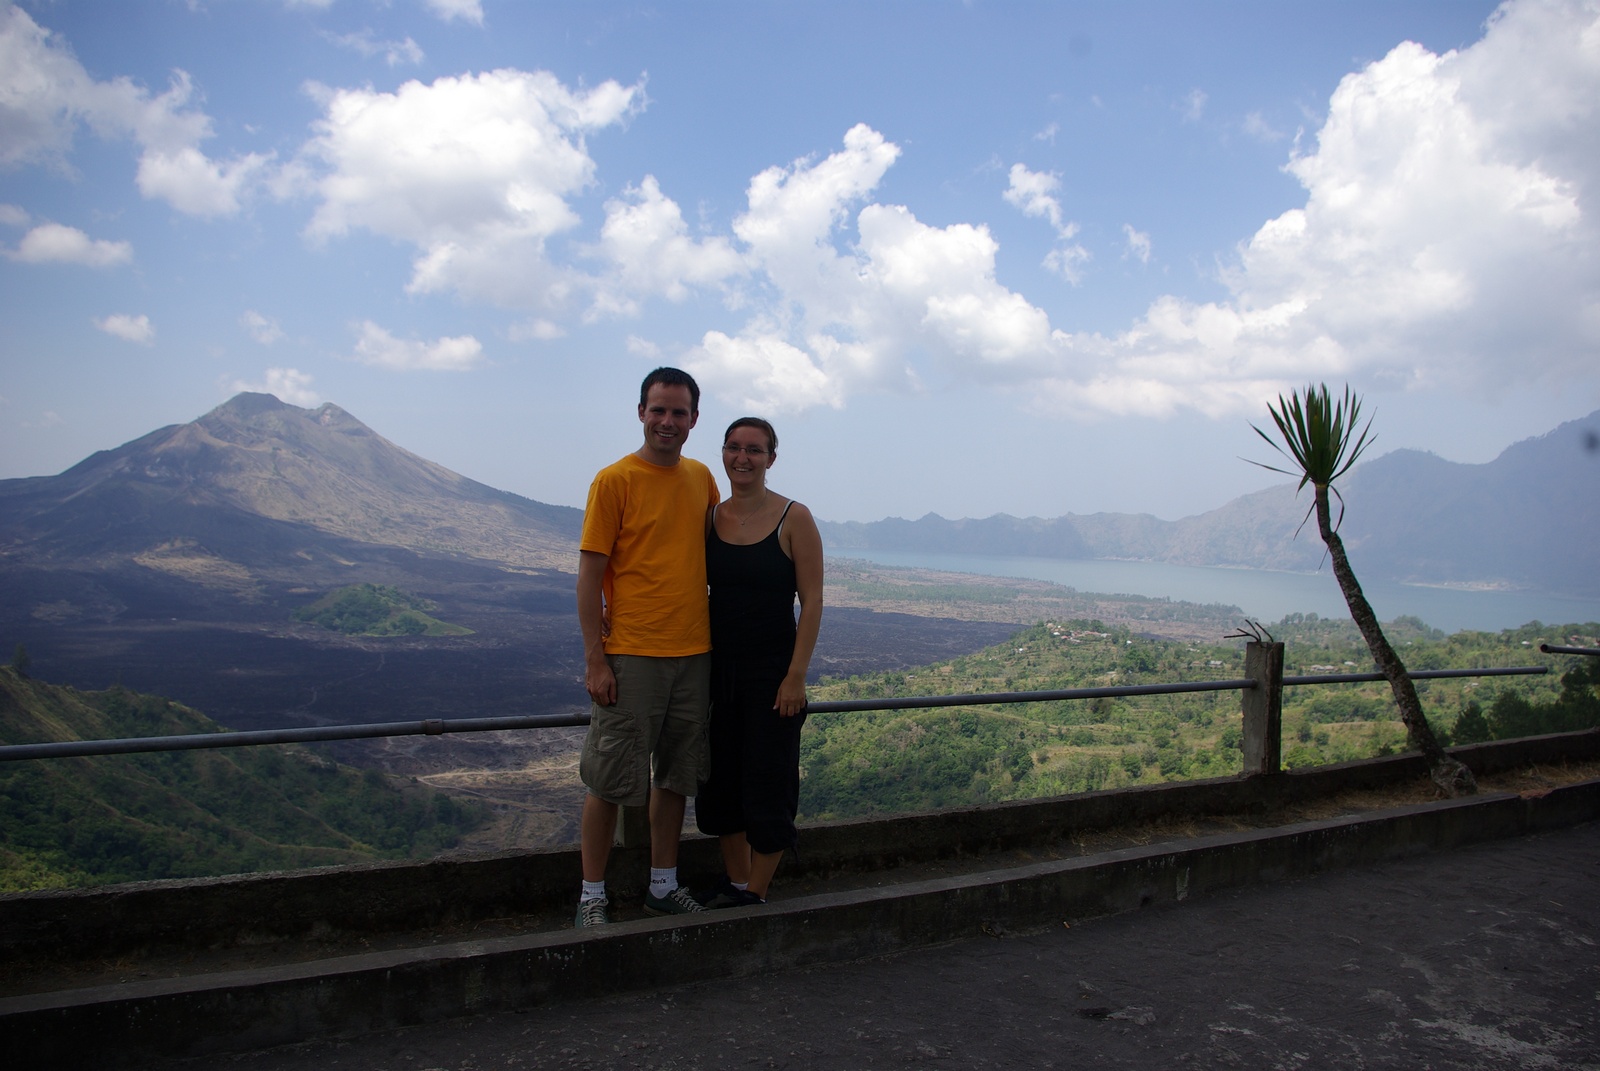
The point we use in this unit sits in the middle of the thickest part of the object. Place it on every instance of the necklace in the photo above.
(753, 512)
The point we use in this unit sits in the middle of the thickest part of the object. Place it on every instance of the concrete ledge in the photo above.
(246, 1010)
(402, 897)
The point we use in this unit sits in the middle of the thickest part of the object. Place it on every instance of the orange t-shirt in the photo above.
(650, 522)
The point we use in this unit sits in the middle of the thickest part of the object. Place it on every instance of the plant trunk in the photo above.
(1452, 777)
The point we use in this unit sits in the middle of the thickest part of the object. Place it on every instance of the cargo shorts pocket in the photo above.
(615, 763)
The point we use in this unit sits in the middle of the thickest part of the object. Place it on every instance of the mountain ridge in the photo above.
(257, 457)
(175, 564)
(256, 481)
(1516, 522)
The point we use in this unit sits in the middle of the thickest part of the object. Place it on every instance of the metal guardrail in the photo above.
(194, 741)
(439, 726)
(1550, 648)
(918, 702)
(1419, 675)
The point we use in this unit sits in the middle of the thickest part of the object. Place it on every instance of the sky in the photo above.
(969, 257)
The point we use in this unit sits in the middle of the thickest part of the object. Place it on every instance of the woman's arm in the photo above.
(803, 543)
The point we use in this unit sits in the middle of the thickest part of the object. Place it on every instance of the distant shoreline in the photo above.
(1265, 595)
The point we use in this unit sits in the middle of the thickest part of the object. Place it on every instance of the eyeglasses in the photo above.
(747, 451)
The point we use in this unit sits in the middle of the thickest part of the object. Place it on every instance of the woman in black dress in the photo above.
(762, 551)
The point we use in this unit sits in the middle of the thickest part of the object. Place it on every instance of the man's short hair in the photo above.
(671, 377)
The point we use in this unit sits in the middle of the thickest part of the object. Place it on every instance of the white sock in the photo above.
(593, 890)
(663, 880)
(742, 886)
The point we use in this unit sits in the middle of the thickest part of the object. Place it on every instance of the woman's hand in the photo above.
(791, 697)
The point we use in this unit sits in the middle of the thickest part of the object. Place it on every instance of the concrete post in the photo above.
(1263, 709)
(633, 827)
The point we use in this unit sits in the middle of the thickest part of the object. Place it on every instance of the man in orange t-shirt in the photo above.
(646, 642)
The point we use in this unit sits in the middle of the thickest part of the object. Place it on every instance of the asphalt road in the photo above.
(1484, 958)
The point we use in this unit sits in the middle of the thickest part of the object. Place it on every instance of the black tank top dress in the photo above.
(755, 754)
(752, 601)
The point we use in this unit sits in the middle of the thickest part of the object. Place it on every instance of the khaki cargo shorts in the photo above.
(661, 713)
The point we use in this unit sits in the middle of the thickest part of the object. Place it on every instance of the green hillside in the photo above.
(93, 821)
(894, 761)
(376, 610)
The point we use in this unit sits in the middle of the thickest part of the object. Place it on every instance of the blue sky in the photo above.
(970, 258)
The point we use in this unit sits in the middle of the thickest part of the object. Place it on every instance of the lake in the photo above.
(1265, 596)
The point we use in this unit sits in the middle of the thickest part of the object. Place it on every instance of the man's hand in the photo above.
(594, 619)
(600, 682)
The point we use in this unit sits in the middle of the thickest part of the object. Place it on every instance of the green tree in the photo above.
(1579, 705)
(1511, 716)
(1319, 435)
(1472, 727)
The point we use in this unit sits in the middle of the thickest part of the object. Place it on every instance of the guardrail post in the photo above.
(1263, 709)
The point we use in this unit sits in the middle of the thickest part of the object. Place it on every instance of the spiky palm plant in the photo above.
(1319, 435)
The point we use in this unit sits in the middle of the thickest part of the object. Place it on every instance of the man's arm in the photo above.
(597, 675)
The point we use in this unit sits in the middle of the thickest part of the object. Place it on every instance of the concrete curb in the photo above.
(246, 1010)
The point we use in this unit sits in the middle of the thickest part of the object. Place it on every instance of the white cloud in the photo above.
(1256, 125)
(55, 243)
(643, 347)
(379, 348)
(905, 293)
(536, 330)
(1138, 243)
(171, 166)
(364, 43)
(14, 216)
(45, 94)
(789, 229)
(47, 418)
(41, 86)
(287, 384)
(1049, 133)
(1194, 105)
(763, 372)
(948, 275)
(1068, 262)
(474, 172)
(128, 328)
(792, 212)
(650, 251)
(465, 10)
(1034, 193)
(263, 329)
(1443, 240)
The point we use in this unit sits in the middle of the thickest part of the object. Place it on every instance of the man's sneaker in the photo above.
(676, 902)
(593, 913)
